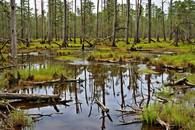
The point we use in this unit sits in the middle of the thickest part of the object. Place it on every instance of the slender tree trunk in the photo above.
(149, 21)
(36, 20)
(22, 18)
(127, 22)
(29, 25)
(13, 30)
(171, 20)
(55, 24)
(97, 21)
(114, 24)
(163, 20)
(81, 33)
(42, 21)
(75, 20)
(65, 25)
(49, 21)
(84, 21)
(138, 15)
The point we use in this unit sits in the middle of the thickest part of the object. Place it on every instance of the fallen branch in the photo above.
(131, 122)
(163, 124)
(101, 105)
(104, 108)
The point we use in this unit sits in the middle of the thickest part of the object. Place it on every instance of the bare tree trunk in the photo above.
(171, 22)
(163, 20)
(13, 29)
(55, 24)
(36, 20)
(97, 20)
(114, 24)
(127, 22)
(81, 32)
(75, 20)
(29, 25)
(50, 21)
(22, 18)
(42, 21)
(149, 21)
(138, 14)
(65, 25)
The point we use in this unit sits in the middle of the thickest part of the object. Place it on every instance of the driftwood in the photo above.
(29, 97)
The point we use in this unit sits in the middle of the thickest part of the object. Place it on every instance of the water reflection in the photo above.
(117, 87)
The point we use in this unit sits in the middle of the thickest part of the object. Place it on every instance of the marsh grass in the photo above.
(175, 114)
(19, 119)
(180, 60)
(41, 74)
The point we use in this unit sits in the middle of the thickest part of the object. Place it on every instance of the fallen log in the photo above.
(34, 83)
(29, 97)
(25, 105)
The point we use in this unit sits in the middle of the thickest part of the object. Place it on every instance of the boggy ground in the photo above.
(173, 111)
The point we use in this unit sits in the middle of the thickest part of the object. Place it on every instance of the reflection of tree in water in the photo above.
(133, 81)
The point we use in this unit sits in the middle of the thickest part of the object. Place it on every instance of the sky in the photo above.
(157, 2)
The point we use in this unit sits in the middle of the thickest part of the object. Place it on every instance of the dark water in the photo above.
(117, 86)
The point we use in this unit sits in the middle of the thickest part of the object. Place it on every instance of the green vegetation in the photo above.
(67, 58)
(41, 74)
(173, 114)
(18, 119)
(180, 60)
(146, 71)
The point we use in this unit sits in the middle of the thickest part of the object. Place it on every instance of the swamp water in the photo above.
(119, 86)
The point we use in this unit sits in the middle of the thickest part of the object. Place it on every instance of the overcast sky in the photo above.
(157, 2)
